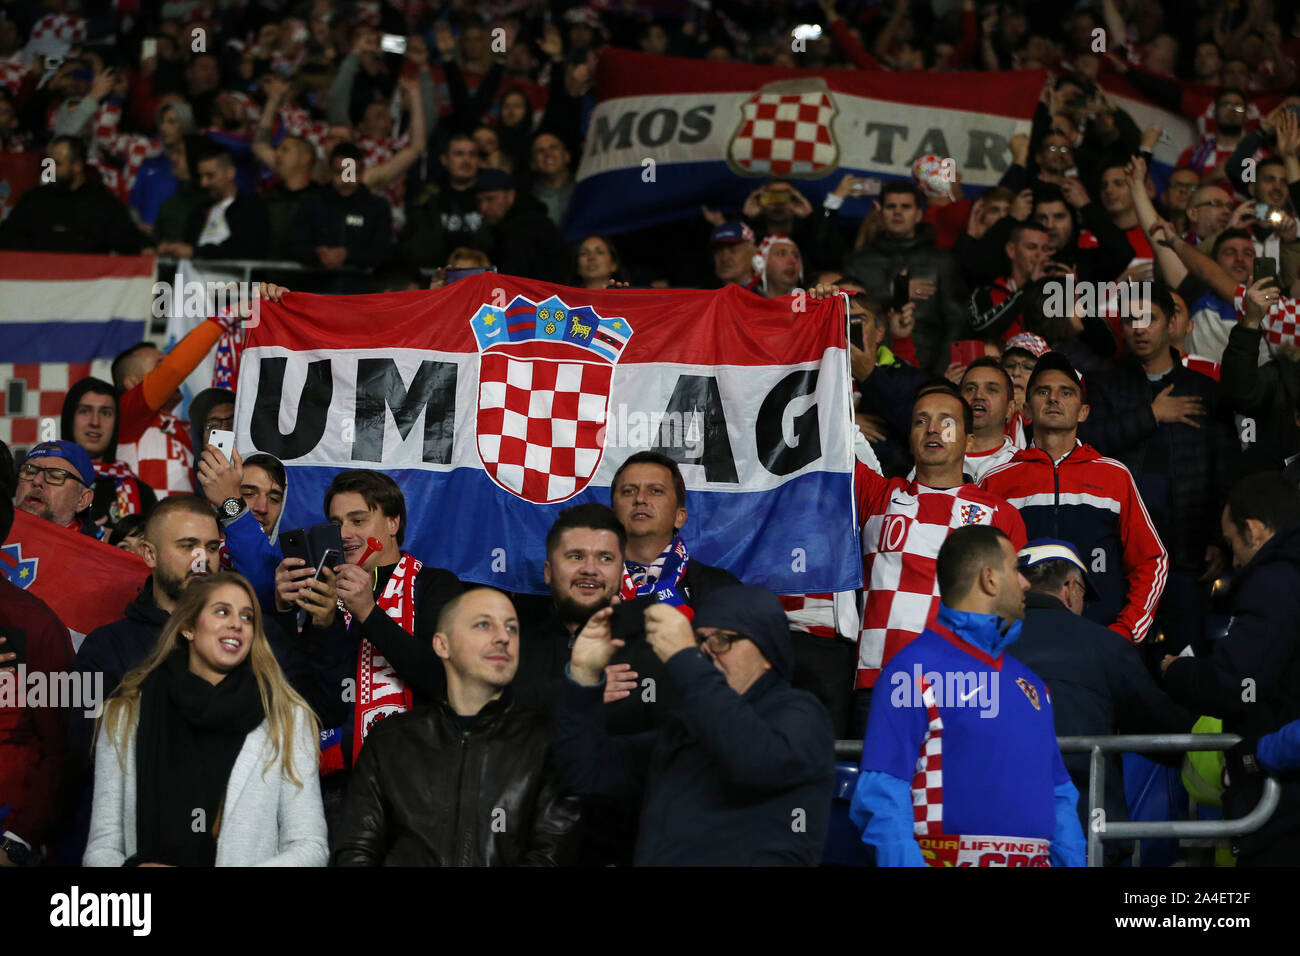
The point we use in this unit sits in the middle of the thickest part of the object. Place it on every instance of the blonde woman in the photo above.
(205, 755)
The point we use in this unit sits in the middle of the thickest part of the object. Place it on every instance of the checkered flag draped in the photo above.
(1281, 324)
(59, 26)
(927, 782)
(12, 72)
(786, 134)
(540, 424)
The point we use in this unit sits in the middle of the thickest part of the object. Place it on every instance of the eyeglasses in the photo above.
(1213, 204)
(1057, 149)
(53, 476)
(719, 642)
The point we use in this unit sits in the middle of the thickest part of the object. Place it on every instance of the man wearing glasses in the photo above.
(1210, 156)
(1208, 212)
(57, 483)
(742, 773)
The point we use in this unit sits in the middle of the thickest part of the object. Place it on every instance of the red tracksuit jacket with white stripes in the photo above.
(1093, 503)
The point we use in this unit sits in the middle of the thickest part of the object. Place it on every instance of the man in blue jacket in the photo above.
(960, 765)
(742, 772)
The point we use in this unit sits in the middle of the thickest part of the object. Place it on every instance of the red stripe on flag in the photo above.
(60, 267)
(730, 326)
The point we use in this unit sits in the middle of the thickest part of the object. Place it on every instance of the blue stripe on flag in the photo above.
(67, 341)
(458, 519)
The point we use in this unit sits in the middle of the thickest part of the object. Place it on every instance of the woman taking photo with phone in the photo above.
(205, 755)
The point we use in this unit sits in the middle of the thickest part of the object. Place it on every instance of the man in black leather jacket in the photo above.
(466, 781)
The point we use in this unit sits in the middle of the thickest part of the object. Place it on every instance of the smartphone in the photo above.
(965, 351)
(326, 541)
(148, 48)
(870, 186)
(392, 43)
(900, 294)
(455, 274)
(1261, 210)
(1265, 268)
(15, 643)
(775, 196)
(223, 440)
(294, 544)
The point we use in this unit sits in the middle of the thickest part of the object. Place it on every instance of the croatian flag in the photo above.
(669, 134)
(496, 402)
(63, 317)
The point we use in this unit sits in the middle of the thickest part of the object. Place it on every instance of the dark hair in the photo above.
(348, 151)
(76, 146)
(1162, 299)
(1020, 228)
(221, 154)
(945, 387)
(1050, 576)
(653, 458)
(965, 553)
(1269, 161)
(988, 361)
(1229, 90)
(899, 187)
(192, 504)
(458, 134)
(118, 368)
(127, 526)
(613, 254)
(376, 488)
(1265, 496)
(1227, 234)
(269, 464)
(1048, 192)
(592, 515)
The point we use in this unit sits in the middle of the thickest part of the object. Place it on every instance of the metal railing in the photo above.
(1097, 748)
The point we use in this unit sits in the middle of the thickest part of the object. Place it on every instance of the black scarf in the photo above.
(189, 735)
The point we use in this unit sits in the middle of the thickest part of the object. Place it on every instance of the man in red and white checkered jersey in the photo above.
(154, 443)
(903, 525)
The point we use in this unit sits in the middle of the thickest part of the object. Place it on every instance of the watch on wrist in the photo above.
(19, 853)
(232, 508)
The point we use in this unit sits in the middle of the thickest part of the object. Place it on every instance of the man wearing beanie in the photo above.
(56, 482)
(742, 773)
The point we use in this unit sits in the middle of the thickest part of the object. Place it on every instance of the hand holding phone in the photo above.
(223, 441)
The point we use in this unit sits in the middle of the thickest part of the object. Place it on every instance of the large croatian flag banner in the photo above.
(497, 402)
(669, 134)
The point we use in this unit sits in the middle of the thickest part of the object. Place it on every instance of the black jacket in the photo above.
(1099, 686)
(426, 791)
(440, 219)
(525, 243)
(89, 219)
(1266, 394)
(730, 780)
(1183, 473)
(939, 319)
(362, 223)
(250, 230)
(1251, 679)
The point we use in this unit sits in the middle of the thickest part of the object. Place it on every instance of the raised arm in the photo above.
(1171, 266)
(377, 177)
(276, 88)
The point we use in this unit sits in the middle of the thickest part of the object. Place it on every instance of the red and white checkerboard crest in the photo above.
(785, 130)
(1030, 691)
(545, 370)
(972, 514)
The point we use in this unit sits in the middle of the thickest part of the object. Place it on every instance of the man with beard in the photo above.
(56, 483)
(90, 420)
(1210, 156)
(445, 216)
(552, 178)
(181, 543)
(71, 213)
(233, 226)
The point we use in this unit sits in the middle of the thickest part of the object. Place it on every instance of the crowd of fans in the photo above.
(1097, 366)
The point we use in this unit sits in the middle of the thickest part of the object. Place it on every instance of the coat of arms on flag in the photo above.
(13, 566)
(545, 371)
(785, 130)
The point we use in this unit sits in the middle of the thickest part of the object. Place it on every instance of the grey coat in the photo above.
(268, 820)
